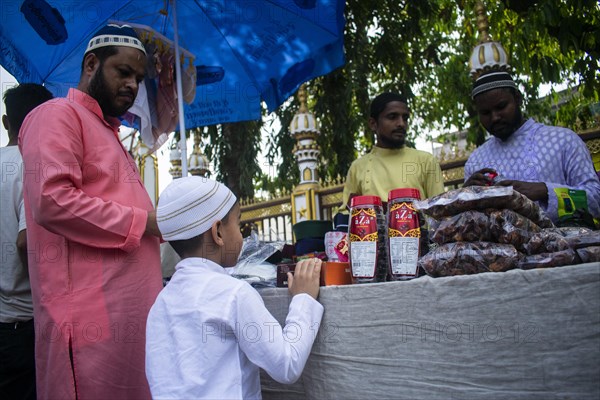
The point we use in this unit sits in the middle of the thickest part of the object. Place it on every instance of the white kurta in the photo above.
(208, 333)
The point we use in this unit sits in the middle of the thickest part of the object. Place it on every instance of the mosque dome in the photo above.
(488, 55)
(198, 163)
(304, 121)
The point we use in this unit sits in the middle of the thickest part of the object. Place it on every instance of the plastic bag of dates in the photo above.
(568, 231)
(501, 226)
(509, 227)
(549, 260)
(465, 258)
(468, 226)
(589, 254)
(584, 240)
(546, 241)
(557, 239)
(467, 198)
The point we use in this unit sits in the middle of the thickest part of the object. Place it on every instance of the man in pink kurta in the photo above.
(94, 257)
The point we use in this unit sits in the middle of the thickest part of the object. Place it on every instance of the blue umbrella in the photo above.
(242, 51)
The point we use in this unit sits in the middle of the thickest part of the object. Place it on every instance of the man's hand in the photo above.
(479, 178)
(152, 225)
(536, 191)
(305, 278)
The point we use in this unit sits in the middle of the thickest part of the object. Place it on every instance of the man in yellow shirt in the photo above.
(390, 164)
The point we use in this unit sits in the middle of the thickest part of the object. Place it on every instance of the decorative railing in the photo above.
(591, 137)
(331, 198)
(273, 217)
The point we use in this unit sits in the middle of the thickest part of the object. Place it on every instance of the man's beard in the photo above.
(390, 143)
(100, 91)
(512, 127)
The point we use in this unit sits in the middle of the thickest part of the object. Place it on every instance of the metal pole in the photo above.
(182, 141)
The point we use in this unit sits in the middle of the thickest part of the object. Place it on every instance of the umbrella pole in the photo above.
(182, 141)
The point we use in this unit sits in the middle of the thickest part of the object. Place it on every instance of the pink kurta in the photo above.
(94, 275)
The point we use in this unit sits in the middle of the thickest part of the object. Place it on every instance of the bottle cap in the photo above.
(365, 201)
(410, 193)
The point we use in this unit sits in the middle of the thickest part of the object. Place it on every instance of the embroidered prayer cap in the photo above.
(115, 35)
(487, 58)
(189, 206)
(492, 80)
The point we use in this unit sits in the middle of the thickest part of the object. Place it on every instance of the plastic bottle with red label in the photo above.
(403, 237)
(366, 235)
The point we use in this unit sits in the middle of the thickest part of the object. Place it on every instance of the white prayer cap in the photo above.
(189, 206)
(115, 35)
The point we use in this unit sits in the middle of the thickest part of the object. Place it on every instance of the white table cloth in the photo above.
(514, 335)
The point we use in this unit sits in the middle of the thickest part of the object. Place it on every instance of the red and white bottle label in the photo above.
(363, 242)
(404, 234)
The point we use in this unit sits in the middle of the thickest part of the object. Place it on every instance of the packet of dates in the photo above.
(556, 247)
(559, 239)
(480, 198)
(589, 254)
(500, 226)
(549, 260)
(466, 258)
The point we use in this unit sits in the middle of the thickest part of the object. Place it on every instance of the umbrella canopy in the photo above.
(242, 51)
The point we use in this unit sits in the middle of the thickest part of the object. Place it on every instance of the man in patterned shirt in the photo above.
(532, 157)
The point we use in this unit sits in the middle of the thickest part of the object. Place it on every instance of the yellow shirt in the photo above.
(382, 170)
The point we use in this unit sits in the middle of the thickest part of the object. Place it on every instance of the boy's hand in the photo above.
(305, 278)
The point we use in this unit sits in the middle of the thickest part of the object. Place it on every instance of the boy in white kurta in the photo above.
(209, 333)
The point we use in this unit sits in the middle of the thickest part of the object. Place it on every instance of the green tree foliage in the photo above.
(548, 41)
(384, 40)
(280, 142)
(233, 150)
(421, 49)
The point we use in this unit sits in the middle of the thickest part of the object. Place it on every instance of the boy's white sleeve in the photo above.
(282, 353)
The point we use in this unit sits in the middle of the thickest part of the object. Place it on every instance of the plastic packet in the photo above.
(501, 226)
(467, 198)
(480, 198)
(584, 240)
(549, 260)
(252, 266)
(468, 226)
(589, 254)
(546, 241)
(259, 275)
(509, 227)
(568, 231)
(465, 258)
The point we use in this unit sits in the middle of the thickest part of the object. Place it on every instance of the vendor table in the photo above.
(514, 335)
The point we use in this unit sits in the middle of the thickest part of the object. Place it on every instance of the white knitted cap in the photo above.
(189, 206)
(115, 35)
